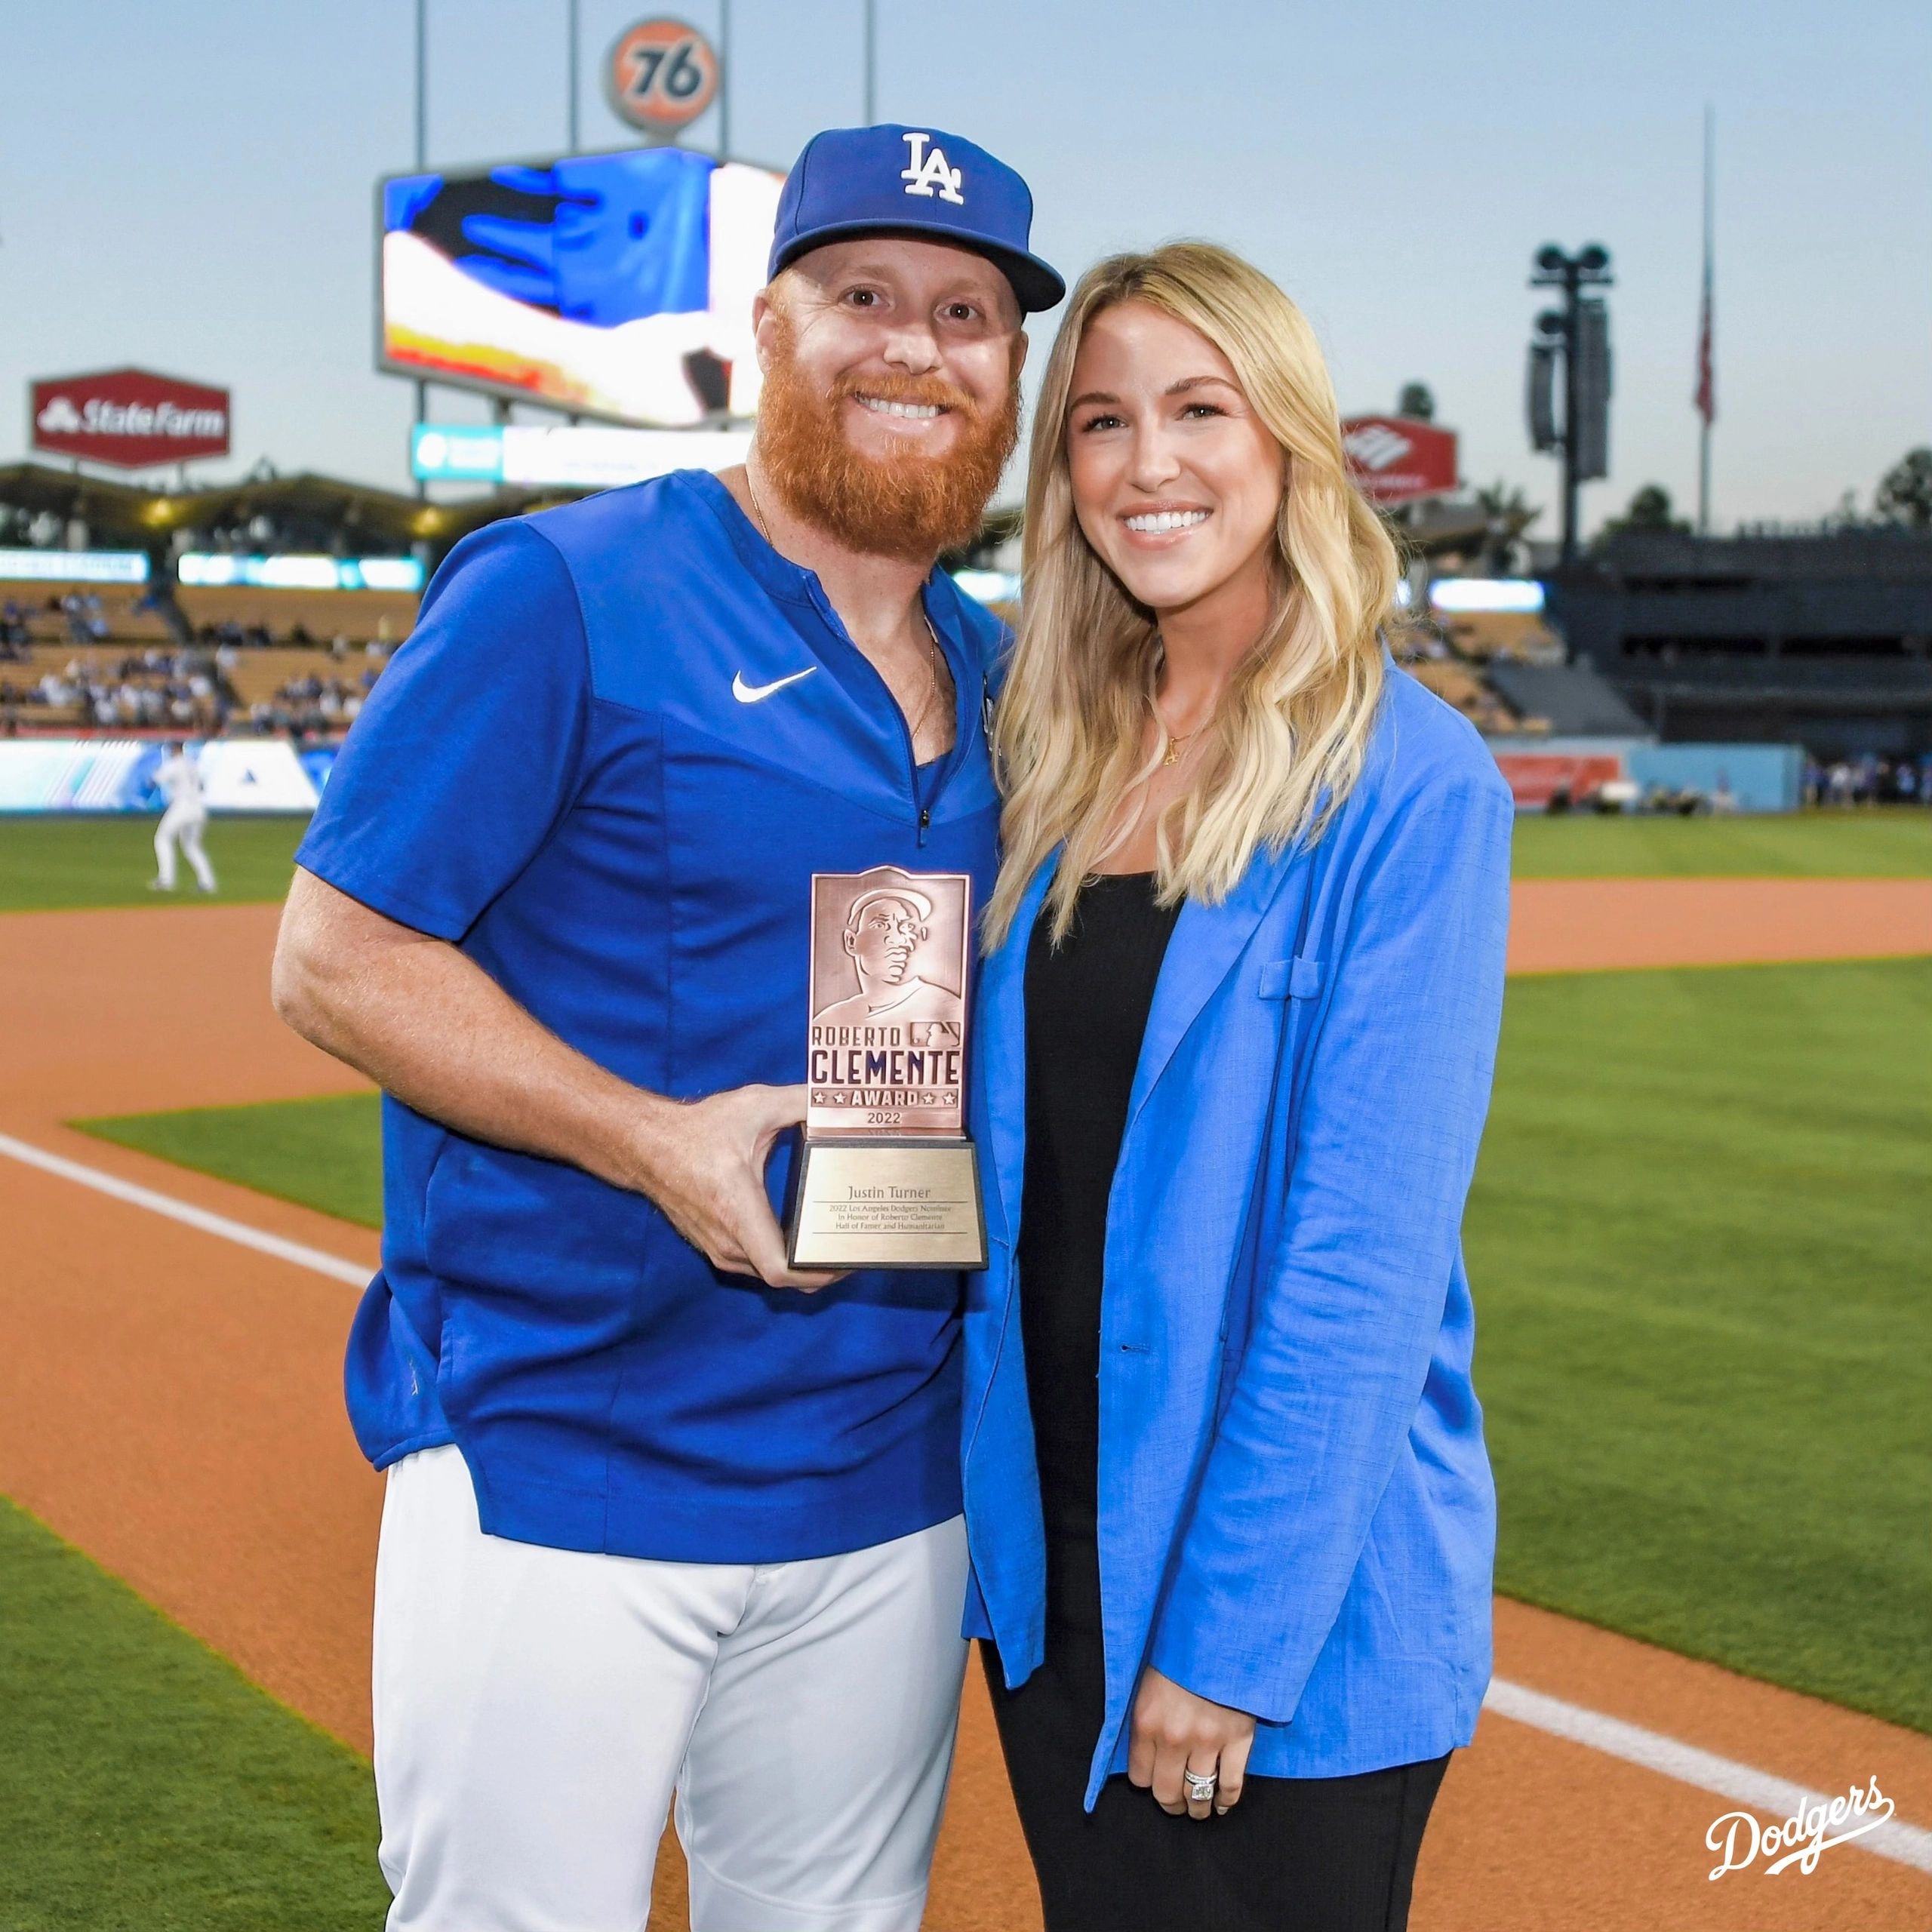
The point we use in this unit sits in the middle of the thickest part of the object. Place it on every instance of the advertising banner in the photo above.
(116, 775)
(538, 456)
(661, 75)
(214, 569)
(1521, 596)
(1534, 776)
(131, 418)
(615, 285)
(127, 567)
(1399, 460)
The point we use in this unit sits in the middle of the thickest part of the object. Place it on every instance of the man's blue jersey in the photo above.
(623, 736)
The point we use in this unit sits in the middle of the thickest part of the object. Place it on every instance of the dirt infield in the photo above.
(1571, 925)
(171, 1403)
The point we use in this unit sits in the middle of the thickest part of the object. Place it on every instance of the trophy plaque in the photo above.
(886, 1176)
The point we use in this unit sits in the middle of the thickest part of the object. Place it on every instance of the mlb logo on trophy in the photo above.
(928, 173)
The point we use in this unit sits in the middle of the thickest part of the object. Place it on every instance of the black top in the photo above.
(1087, 1006)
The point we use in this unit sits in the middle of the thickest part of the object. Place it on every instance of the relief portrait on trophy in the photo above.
(888, 1012)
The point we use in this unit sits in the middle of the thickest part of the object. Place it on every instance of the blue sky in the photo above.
(192, 188)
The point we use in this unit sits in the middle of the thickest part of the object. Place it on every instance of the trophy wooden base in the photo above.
(886, 1204)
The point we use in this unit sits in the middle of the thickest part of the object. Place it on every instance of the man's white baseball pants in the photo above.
(186, 823)
(535, 1708)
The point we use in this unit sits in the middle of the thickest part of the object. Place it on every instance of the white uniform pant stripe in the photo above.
(536, 1708)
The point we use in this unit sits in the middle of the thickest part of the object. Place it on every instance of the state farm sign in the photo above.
(129, 417)
(1397, 460)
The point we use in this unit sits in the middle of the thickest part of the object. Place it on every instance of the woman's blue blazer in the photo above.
(1296, 1516)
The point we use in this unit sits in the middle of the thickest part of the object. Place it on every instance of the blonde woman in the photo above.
(1229, 1509)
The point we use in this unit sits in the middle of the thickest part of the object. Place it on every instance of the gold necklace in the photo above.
(1177, 742)
(757, 509)
(932, 669)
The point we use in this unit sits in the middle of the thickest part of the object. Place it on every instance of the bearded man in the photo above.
(655, 1518)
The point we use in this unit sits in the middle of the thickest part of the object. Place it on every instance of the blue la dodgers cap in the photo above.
(918, 181)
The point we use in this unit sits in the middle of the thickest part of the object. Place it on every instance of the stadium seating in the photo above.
(360, 615)
(47, 623)
(1466, 689)
(1517, 634)
(258, 677)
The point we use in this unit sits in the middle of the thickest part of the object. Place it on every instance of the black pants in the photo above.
(1295, 1855)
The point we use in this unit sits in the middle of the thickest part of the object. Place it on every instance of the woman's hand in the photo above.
(1175, 1731)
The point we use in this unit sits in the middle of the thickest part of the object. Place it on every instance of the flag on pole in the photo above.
(1707, 381)
(1706, 398)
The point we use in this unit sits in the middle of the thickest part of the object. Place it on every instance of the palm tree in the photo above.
(1905, 495)
(1508, 514)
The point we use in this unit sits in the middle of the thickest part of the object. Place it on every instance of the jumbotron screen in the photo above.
(614, 285)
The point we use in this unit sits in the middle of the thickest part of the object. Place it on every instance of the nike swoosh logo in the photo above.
(757, 694)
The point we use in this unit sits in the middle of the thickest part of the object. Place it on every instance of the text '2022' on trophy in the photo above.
(887, 1176)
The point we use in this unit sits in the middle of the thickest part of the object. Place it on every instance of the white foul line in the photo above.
(237, 1231)
(1907, 1844)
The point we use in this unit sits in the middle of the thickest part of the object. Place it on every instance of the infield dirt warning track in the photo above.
(170, 1402)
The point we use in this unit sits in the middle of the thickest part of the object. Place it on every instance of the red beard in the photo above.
(912, 507)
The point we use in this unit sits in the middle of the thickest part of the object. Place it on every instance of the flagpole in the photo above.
(1709, 351)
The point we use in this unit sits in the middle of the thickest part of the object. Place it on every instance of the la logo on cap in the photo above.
(928, 173)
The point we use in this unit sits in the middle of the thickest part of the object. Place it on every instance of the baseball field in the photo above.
(1699, 1247)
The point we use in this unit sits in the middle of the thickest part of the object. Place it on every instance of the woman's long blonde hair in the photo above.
(1290, 737)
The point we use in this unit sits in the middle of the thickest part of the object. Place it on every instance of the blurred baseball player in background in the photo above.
(182, 821)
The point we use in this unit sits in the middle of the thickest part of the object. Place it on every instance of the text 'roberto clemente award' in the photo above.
(887, 1177)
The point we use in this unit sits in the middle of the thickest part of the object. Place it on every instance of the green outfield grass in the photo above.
(324, 1154)
(146, 1786)
(1699, 1245)
(1892, 841)
(56, 864)
(1700, 1251)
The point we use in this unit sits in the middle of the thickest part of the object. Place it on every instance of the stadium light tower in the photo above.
(573, 65)
(872, 63)
(422, 161)
(1578, 333)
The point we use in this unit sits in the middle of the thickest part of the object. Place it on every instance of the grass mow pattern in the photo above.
(50, 864)
(1699, 1253)
(146, 1786)
(1700, 1249)
(60, 864)
(1890, 841)
(324, 1154)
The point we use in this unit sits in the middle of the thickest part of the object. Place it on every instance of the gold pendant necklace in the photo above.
(933, 693)
(757, 509)
(1177, 741)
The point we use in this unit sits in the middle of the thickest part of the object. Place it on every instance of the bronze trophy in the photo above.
(886, 1176)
